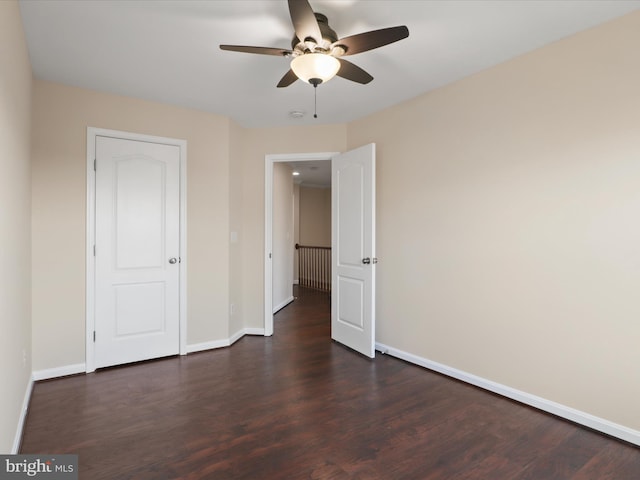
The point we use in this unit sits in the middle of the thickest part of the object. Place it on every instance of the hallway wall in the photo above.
(282, 235)
(315, 216)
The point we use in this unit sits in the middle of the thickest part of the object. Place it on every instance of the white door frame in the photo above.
(92, 133)
(268, 224)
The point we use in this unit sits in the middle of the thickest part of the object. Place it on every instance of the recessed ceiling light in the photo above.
(295, 174)
(296, 114)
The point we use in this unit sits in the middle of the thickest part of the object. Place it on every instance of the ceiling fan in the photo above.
(316, 51)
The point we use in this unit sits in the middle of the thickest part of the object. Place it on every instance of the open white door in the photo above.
(353, 244)
(137, 276)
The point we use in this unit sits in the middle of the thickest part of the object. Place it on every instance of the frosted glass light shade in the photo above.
(315, 65)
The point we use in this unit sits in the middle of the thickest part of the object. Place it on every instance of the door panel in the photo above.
(351, 302)
(137, 233)
(353, 240)
(140, 202)
(139, 309)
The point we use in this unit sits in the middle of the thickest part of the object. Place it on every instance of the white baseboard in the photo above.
(194, 347)
(254, 331)
(236, 336)
(59, 371)
(577, 416)
(23, 417)
(281, 305)
(200, 347)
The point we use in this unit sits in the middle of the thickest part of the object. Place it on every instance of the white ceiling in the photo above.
(167, 51)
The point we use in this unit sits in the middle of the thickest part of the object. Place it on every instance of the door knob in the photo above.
(366, 261)
(173, 260)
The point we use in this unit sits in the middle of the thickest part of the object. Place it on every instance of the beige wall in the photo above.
(61, 117)
(258, 143)
(236, 134)
(508, 230)
(315, 216)
(15, 222)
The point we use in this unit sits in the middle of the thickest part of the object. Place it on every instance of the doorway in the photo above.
(270, 161)
(353, 245)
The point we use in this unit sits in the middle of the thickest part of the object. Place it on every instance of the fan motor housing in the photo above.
(329, 36)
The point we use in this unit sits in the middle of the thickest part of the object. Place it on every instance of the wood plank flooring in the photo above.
(298, 406)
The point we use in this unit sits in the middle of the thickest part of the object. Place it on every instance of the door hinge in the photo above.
(94, 164)
(94, 336)
(94, 250)
(269, 254)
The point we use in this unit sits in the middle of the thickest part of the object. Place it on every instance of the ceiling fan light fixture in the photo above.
(315, 66)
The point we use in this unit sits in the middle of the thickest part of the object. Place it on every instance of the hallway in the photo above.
(299, 406)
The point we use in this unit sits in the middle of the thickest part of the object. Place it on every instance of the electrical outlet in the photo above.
(232, 308)
(24, 357)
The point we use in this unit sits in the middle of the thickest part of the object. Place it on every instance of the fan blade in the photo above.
(353, 72)
(280, 52)
(373, 39)
(288, 79)
(304, 21)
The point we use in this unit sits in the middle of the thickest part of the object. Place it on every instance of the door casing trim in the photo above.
(90, 292)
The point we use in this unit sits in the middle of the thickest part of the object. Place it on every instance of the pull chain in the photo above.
(315, 82)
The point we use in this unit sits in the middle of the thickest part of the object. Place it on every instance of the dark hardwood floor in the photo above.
(298, 406)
